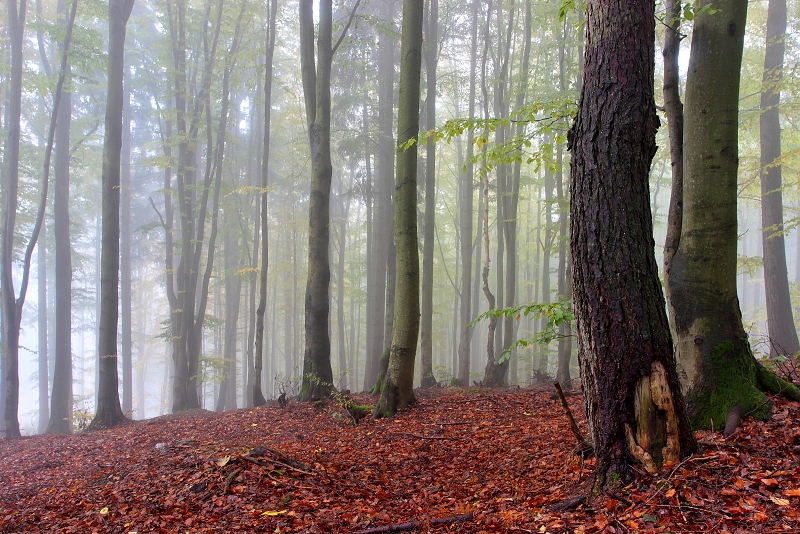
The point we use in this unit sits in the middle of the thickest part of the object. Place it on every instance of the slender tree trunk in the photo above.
(633, 399)
(125, 256)
(397, 391)
(465, 215)
(317, 371)
(44, 380)
(258, 397)
(782, 332)
(109, 410)
(383, 227)
(426, 324)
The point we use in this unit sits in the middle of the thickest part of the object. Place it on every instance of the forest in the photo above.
(211, 205)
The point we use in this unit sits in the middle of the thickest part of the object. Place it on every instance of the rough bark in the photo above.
(109, 410)
(633, 400)
(397, 391)
(780, 322)
(718, 371)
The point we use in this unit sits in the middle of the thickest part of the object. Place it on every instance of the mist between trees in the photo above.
(499, 87)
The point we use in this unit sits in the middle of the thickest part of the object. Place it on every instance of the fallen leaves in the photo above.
(503, 458)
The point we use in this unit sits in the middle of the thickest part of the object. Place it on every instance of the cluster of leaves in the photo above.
(535, 120)
(557, 313)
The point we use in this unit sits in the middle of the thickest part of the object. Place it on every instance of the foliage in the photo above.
(557, 313)
(271, 470)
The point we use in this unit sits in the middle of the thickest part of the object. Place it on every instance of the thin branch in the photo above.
(347, 27)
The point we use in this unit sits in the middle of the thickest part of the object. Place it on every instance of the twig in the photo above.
(420, 436)
(416, 525)
(230, 478)
(568, 504)
(248, 458)
(725, 444)
(584, 449)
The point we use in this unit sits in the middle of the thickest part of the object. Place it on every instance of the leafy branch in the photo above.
(557, 313)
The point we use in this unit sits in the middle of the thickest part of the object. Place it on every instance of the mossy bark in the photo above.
(718, 371)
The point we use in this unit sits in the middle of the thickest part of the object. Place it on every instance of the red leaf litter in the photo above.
(472, 461)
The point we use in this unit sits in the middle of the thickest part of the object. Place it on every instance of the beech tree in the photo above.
(397, 391)
(782, 332)
(633, 400)
(721, 378)
(109, 410)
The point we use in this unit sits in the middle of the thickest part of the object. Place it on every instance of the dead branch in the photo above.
(420, 436)
(248, 458)
(230, 478)
(568, 504)
(584, 448)
(416, 525)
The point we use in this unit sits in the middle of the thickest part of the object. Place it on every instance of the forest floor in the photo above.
(485, 460)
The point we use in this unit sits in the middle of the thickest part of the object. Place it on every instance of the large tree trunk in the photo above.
(782, 333)
(397, 391)
(317, 371)
(109, 410)
(633, 400)
(719, 373)
(426, 324)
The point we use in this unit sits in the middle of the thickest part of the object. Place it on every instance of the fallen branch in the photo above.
(584, 448)
(420, 436)
(416, 525)
(262, 463)
(568, 504)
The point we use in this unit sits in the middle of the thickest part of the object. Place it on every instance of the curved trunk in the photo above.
(718, 370)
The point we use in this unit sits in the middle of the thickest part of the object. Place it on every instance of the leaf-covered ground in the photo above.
(505, 457)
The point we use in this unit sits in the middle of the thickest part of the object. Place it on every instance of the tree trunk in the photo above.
(632, 394)
(426, 324)
(782, 332)
(397, 391)
(258, 396)
(719, 372)
(125, 257)
(466, 187)
(383, 227)
(109, 410)
(317, 371)
(344, 204)
(43, 357)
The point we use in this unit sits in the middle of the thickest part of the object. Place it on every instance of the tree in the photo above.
(633, 400)
(465, 192)
(257, 396)
(397, 391)
(317, 371)
(721, 379)
(782, 332)
(109, 410)
(61, 399)
(431, 61)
